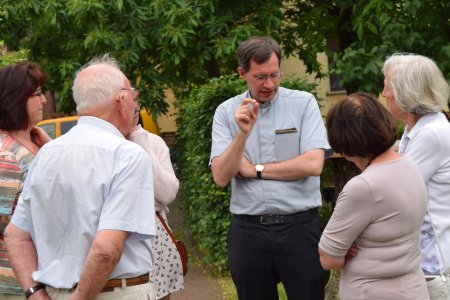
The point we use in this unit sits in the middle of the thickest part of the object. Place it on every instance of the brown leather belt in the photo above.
(113, 283)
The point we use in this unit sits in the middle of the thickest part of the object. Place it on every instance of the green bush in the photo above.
(399, 129)
(7, 58)
(206, 206)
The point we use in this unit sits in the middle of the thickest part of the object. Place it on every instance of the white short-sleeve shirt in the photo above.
(87, 180)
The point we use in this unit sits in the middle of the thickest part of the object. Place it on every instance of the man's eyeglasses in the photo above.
(136, 112)
(134, 93)
(263, 78)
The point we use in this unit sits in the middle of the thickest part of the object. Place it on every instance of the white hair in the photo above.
(418, 84)
(95, 89)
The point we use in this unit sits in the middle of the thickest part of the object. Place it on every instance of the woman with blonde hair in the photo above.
(416, 92)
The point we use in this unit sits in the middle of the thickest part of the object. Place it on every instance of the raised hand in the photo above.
(246, 115)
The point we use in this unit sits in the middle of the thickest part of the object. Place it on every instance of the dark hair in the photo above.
(17, 83)
(258, 49)
(359, 125)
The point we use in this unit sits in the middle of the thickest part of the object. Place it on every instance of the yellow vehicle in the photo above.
(58, 126)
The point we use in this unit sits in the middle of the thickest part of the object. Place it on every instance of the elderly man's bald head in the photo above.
(96, 84)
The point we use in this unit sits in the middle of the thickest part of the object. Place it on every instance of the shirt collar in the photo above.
(267, 104)
(98, 122)
(424, 119)
(409, 135)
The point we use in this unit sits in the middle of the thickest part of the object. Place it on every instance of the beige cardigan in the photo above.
(164, 180)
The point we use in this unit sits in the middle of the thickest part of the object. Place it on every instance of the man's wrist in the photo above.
(259, 169)
(34, 289)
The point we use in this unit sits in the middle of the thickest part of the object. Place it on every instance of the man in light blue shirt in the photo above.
(270, 142)
(84, 222)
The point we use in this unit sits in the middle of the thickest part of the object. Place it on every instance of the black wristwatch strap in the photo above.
(259, 174)
(34, 289)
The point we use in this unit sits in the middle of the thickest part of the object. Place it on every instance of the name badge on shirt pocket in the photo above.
(287, 143)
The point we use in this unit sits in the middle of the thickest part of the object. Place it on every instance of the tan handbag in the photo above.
(181, 247)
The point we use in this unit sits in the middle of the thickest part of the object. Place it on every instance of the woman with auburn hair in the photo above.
(380, 210)
(21, 103)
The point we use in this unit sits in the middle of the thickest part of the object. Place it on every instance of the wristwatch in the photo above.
(34, 289)
(259, 168)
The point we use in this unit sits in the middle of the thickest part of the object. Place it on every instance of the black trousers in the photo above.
(261, 256)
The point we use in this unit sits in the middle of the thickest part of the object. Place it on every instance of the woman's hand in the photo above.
(352, 251)
(39, 136)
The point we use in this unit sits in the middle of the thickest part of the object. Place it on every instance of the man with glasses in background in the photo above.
(270, 142)
(84, 222)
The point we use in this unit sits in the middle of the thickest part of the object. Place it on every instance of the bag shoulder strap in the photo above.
(165, 227)
(441, 254)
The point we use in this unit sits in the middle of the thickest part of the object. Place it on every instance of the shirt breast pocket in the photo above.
(287, 144)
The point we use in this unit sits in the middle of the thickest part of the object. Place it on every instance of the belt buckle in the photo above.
(271, 219)
(262, 219)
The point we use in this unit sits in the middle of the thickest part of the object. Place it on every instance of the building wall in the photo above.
(167, 123)
(292, 67)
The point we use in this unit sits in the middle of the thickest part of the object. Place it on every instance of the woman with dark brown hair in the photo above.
(380, 210)
(21, 103)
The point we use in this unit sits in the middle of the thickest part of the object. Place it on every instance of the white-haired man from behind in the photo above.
(84, 222)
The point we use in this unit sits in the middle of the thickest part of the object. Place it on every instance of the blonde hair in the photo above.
(418, 85)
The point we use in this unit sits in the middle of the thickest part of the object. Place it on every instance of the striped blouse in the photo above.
(15, 160)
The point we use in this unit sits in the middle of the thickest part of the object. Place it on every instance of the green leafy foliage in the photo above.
(311, 27)
(359, 35)
(206, 204)
(177, 43)
(384, 27)
(7, 58)
(159, 43)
